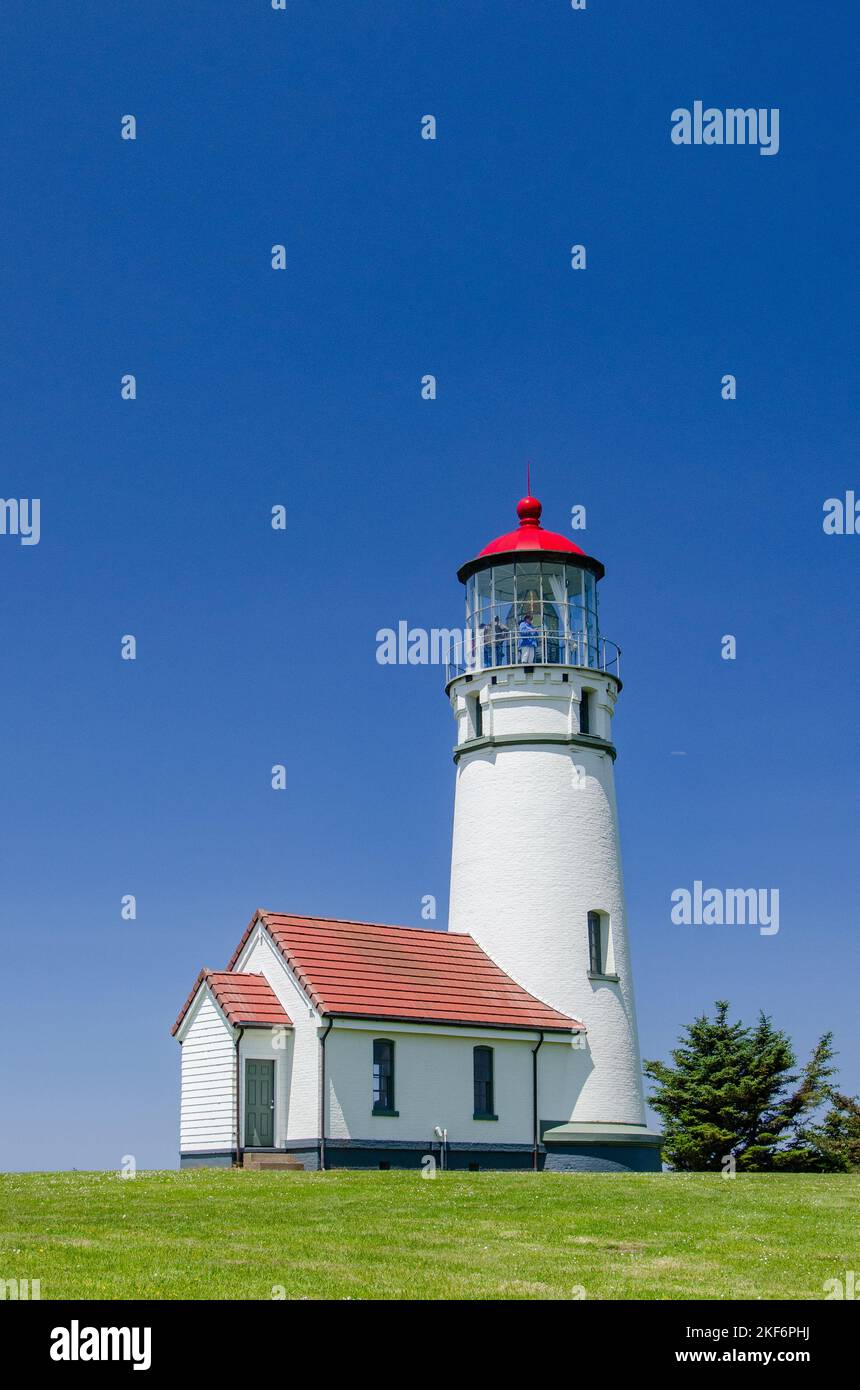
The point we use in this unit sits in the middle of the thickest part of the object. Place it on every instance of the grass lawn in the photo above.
(224, 1234)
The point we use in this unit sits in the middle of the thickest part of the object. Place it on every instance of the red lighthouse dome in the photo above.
(530, 537)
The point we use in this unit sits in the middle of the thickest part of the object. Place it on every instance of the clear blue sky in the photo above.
(302, 388)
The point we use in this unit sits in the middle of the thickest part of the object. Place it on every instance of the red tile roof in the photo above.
(365, 970)
(245, 999)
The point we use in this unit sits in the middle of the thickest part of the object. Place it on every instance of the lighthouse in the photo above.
(536, 873)
(509, 1039)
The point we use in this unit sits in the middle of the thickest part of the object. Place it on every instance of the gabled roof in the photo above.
(366, 970)
(246, 1000)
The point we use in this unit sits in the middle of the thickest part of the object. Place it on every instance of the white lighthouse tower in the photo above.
(536, 868)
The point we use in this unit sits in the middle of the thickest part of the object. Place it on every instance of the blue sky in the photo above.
(301, 387)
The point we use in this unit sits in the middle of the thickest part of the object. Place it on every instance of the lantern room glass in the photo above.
(533, 611)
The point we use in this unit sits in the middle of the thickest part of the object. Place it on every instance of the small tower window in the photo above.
(383, 1077)
(585, 712)
(595, 944)
(477, 717)
(483, 1078)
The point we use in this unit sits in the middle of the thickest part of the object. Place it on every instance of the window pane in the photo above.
(553, 606)
(483, 1078)
(383, 1074)
(503, 594)
(595, 951)
(528, 605)
(484, 593)
(591, 617)
(575, 614)
(591, 593)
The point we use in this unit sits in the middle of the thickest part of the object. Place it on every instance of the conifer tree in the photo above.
(838, 1136)
(733, 1091)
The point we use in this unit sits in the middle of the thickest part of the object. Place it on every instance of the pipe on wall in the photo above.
(239, 1036)
(322, 1092)
(535, 1134)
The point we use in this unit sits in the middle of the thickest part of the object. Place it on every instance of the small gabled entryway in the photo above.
(259, 1104)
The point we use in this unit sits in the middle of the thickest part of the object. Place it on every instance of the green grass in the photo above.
(224, 1234)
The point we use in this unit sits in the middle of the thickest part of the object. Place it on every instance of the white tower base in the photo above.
(535, 850)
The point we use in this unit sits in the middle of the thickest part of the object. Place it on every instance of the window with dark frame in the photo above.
(383, 1075)
(585, 712)
(478, 721)
(483, 1075)
(595, 944)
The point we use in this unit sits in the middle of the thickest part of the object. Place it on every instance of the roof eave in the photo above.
(187, 1006)
(259, 1023)
(572, 1027)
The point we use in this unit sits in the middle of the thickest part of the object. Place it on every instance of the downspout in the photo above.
(535, 1135)
(239, 1037)
(322, 1093)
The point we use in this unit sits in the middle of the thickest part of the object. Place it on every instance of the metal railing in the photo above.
(485, 653)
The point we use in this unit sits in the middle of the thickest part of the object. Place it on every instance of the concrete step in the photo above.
(284, 1162)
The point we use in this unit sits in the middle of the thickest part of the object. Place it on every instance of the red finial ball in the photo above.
(529, 510)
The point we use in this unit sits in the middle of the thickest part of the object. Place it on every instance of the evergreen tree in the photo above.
(733, 1091)
(838, 1136)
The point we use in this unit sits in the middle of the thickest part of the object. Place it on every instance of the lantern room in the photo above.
(531, 599)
